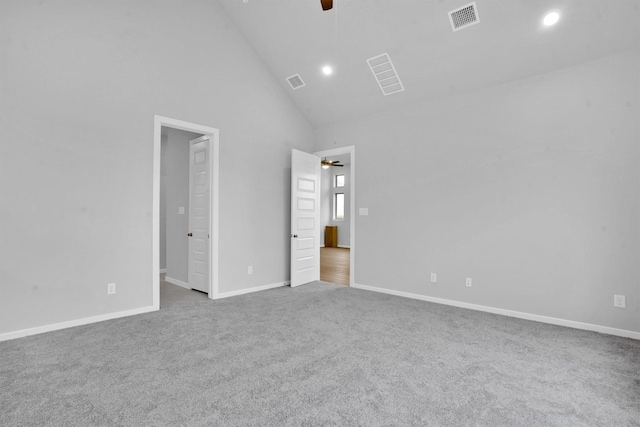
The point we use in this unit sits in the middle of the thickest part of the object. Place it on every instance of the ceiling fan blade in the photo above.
(326, 4)
(337, 165)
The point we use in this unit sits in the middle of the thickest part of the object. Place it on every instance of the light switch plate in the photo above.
(181, 210)
(364, 211)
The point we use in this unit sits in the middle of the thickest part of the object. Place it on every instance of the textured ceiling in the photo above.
(509, 43)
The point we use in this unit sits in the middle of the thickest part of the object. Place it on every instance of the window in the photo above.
(338, 206)
(339, 181)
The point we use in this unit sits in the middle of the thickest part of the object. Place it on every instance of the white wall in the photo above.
(530, 188)
(176, 162)
(344, 227)
(326, 191)
(326, 205)
(81, 82)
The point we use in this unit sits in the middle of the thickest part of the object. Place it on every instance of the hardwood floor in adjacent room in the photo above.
(334, 265)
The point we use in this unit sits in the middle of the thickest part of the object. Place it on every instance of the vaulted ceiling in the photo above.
(509, 43)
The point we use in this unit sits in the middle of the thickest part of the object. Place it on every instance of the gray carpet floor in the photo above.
(171, 294)
(319, 354)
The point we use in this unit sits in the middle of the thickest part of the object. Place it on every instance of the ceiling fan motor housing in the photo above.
(326, 4)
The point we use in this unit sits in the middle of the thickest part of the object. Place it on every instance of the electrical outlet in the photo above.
(111, 288)
(250, 270)
(619, 301)
(434, 277)
(468, 283)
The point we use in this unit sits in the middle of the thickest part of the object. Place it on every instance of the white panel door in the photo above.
(199, 213)
(305, 218)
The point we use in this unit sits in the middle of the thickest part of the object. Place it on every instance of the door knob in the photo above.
(190, 235)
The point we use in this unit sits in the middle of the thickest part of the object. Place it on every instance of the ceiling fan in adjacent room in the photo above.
(326, 164)
(326, 4)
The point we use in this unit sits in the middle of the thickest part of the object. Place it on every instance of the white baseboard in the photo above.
(177, 282)
(249, 290)
(520, 315)
(93, 319)
(71, 323)
(163, 270)
(344, 247)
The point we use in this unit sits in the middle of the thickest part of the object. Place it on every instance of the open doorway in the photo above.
(337, 202)
(185, 212)
(177, 220)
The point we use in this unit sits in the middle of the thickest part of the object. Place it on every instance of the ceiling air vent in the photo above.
(464, 17)
(385, 74)
(295, 81)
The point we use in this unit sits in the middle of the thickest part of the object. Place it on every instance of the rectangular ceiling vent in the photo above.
(295, 81)
(385, 74)
(464, 17)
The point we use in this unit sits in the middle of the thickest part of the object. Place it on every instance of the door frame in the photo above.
(351, 150)
(214, 200)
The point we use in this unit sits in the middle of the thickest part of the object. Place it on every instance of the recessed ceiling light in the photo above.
(327, 70)
(551, 18)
